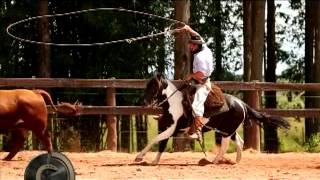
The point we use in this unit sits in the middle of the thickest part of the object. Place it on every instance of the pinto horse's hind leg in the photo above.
(223, 149)
(239, 144)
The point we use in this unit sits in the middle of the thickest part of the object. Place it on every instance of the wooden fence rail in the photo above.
(140, 84)
(140, 110)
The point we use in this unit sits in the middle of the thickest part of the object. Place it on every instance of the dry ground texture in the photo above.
(183, 165)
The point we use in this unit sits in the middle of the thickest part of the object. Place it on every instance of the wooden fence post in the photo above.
(111, 121)
(251, 128)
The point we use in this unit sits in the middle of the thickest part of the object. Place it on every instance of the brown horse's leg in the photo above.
(17, 139)
(45, 138)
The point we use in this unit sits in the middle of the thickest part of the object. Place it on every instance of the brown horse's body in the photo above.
(22, 110)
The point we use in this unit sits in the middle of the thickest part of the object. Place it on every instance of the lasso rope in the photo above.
(128, 40)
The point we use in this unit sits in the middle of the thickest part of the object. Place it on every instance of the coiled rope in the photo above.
(127, 40)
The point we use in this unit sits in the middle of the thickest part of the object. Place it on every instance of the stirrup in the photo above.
(196, 135)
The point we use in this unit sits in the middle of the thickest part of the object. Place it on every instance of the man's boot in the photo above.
(195, 130)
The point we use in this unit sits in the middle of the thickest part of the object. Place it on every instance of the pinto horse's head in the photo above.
(153, 91)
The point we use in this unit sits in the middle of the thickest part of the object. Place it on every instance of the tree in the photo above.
(253, 30)
(312, 63)
(44, 59)
(182, 62)
(270, 133)
(219, 72)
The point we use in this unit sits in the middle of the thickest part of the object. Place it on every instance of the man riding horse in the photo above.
(202, 69)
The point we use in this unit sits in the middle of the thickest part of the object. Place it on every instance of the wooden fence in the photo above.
(111, 110)
(140, 84)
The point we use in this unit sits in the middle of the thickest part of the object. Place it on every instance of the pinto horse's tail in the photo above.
(63, 108)
(263, 118)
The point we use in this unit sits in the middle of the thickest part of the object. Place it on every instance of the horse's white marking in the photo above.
(242, 107)
(224, 146)
(175, 101)
(226, 140)
(239, 143)
(176, 110)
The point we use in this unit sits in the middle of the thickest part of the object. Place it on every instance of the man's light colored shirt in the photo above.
(203, 61)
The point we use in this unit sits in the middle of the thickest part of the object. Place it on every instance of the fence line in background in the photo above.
(111, 84)
(140, 84)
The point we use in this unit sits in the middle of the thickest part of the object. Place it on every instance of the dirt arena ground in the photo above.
(107, 165)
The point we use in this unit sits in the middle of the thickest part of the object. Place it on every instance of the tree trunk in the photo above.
(44, 57)
(254, 15)
(182, 62)
(270, 134)
(218, 75)
(218, 72)
(312, 61)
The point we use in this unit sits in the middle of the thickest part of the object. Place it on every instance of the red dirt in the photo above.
(109, 165)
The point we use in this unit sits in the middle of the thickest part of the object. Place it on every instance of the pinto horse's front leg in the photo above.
(164, 135)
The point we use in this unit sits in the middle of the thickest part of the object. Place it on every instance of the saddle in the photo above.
(214, 104)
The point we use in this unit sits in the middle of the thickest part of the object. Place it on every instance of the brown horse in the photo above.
(22, 110)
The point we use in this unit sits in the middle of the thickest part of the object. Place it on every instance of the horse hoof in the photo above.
(238, 159)
(138, 159)
(204, 162)
(154, 163)
(6, 159)
(224, 161)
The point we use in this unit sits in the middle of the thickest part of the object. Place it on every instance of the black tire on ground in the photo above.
(54, 166)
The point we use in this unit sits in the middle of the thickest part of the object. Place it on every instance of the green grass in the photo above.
(292, 140)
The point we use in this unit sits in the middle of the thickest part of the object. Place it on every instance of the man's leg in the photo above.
(198, 111)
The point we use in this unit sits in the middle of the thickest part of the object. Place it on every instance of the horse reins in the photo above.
(166, 99)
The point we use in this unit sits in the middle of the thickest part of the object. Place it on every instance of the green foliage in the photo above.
(206, 17)
(313, 144)
(290, 100)
(292, 139)
(290, 36)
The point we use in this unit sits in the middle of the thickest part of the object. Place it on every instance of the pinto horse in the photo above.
(22, 110)
(164, 93)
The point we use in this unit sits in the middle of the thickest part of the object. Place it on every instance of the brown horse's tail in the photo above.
(63, 108)
(47, 98)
